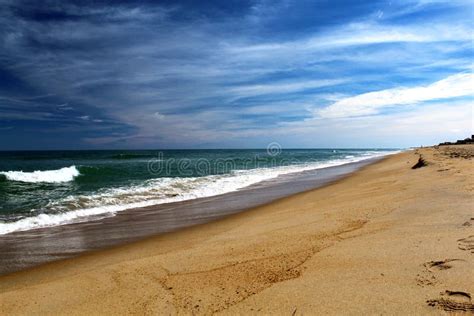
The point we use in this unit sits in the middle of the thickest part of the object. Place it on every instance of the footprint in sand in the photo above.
(466, 244)
(453, 301)
(440, 265)
(469, 222)
(427, 277)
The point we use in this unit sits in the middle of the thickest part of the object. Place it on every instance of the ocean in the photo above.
(50, 188)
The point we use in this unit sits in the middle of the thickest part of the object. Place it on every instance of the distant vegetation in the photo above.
(460, 141)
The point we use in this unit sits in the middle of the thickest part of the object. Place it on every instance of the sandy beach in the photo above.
(388, 239)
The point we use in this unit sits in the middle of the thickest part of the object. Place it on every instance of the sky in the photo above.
(234, 74)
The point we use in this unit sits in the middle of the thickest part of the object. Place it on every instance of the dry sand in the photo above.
(386, 240)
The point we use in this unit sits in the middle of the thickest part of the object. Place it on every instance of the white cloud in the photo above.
(276, 88)
(159, 116)
(366, 33)
(372, 102)
(444, 121)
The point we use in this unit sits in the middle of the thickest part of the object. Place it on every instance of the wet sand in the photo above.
(388, 239)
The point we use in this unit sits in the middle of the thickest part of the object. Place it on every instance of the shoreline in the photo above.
(385, 239)
(34, 247)
(92, 211)
(113, 196)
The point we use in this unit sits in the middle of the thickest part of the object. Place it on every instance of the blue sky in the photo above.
(233, 74)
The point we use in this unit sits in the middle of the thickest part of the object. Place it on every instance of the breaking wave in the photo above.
(65, 174)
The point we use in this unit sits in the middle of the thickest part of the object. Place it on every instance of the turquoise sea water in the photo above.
(48, 188)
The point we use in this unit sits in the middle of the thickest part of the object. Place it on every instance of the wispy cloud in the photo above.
(198, 74)
(365, 33)
(458, 85)
(281, 88)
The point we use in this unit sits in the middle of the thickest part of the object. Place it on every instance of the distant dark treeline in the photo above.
(460, 141)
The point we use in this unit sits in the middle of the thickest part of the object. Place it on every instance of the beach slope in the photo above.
(386, 239)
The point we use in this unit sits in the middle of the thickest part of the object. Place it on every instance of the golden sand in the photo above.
(388, 239)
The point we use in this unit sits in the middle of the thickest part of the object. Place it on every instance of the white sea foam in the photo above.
(159, 191)
(65, 174)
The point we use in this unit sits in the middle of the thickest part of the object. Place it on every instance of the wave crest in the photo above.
(65, 174)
